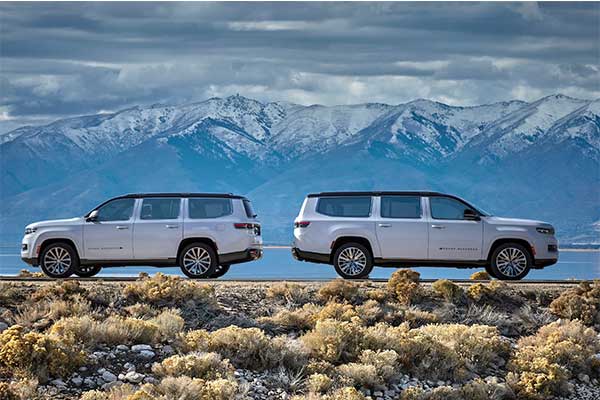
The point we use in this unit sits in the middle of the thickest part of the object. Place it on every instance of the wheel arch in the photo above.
(349, 239)
(47, 242)
(206, 240)
(501, 241)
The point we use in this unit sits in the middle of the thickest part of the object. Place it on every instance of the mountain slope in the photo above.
(539, 159)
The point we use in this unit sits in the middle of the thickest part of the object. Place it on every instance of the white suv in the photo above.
(355, 231)
(203, 233)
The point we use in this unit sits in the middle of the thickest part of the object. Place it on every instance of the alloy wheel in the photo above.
(57, 260)
(352, 261)
(511, 262)
(196, 261)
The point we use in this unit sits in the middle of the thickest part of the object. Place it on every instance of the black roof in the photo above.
(378, 193)
(176, 194)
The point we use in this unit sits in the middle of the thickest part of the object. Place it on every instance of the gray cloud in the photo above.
(64, 59)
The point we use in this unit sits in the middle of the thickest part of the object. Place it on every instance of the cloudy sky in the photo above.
(66, 59)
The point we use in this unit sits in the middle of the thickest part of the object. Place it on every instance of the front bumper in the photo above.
(239, 257)
(545, 262)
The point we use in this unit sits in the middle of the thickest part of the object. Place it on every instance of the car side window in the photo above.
(401, 207)
(116, 210)
(345, 206)
(209, 208)
(447, 208)
(157, 208)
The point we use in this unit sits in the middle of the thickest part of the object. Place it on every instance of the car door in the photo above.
(451, 236)
(109, 236)
(158, 229)
(402, 228)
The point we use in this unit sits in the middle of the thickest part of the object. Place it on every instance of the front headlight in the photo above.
(545, 231)
(29, 231)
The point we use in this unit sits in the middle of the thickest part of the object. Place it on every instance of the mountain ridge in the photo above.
(241, 144)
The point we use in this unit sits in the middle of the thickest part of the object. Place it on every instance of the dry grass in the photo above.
(291, 293)
(119, 330)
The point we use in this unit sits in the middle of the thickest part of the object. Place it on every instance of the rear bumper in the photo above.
(310, 257)
(31, 261)
(239, 257)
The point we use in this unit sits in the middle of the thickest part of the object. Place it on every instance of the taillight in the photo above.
(301, 224)
(248, 226)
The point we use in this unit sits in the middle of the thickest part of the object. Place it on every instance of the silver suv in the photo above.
(355, 231)
(203, 233)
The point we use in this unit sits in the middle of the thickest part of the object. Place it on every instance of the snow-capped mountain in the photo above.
(276, 152)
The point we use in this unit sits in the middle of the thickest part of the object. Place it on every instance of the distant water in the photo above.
(279, 264)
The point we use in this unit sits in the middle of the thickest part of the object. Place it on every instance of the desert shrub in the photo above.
(9, 294)
(28, 274)
(371, 311)
(59, 289)
(480, 276)
(248, 348)
(288, 292)
(319, 383)
(375, 368)
(141, 310)
(532, 318)
(379, 295)
(338, 289)
(449, 351)
(334, 341)
(474, 390)
(403, 285)
(337, 311)
(301, 318)
(163, 290)
(207, 366)
(119, 330)
(183, 388)
(485, 314)
(6, 392)
(32, 354)
(582, 302)
(544, 362)
(417, 317)
(478, 346)
(43, 313)
(479, 291)
(450, 291)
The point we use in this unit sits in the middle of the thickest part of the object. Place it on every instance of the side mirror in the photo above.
(471, 215)
(93, 217)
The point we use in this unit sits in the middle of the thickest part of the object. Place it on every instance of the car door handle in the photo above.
(122, 227)
(438, 226)
(171, 226)
(385, 225)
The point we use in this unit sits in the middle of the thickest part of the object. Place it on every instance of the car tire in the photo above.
(220, 271)
(353, 261)
(490, 271)
(87, 271)
(198, 260)
(511, 261)
(59, 260)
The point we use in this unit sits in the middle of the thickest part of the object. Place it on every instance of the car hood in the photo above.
(515, 221)
(57, 222)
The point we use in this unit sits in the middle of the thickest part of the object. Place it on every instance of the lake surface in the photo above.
(277, 263)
